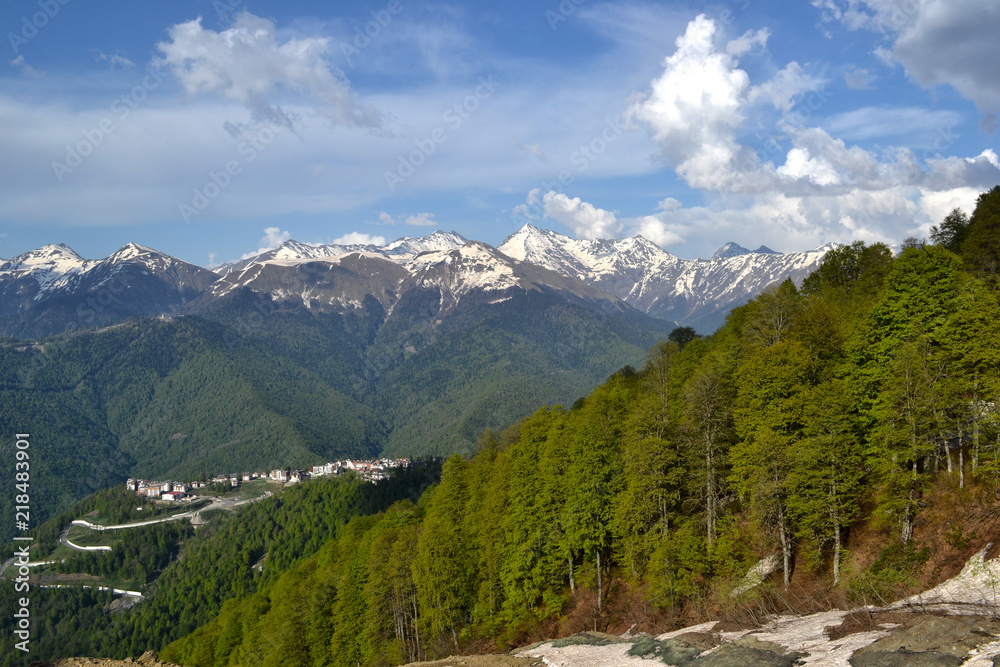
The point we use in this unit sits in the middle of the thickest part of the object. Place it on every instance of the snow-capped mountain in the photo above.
(694, 292)
(293, 252)
(52, 288)
(48, 267)
(55, 286)
(409, 247)
(344, 278)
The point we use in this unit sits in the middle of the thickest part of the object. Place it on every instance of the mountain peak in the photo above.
(764, 250)
(53, 256)
(131, 251)
(411, 246)
(731, 249)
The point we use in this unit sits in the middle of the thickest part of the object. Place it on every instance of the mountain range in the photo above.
(51, 289)
(143, 364)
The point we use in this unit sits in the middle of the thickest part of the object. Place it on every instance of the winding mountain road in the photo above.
(227, 504)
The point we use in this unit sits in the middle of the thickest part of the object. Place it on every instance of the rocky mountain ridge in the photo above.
(51, 289)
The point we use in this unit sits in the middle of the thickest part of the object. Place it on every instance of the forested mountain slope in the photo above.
(850, 428)
(253, 383)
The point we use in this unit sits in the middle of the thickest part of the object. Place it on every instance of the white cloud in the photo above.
(750, 40)
(115, 60)
(657, 230)
(418, 220)
(247, 63)
(586, 220)
(26, 69)
(421, 220)
(359, 238)
(858, 78)
(918, 125)
(273, 238)
(885, 57)
(950, 42)
(790, 82)
(695, 108)
(695, 113)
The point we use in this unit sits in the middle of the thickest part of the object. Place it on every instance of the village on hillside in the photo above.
(372, 471)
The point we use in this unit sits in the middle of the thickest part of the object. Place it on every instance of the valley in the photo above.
(410, 349)
(782, 490)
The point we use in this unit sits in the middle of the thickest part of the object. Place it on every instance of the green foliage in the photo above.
(682, 336)
(809, 411)
(981, 247)
(231, 557)
(892, 573)
(768, 437)
(255, 384)
(953, 231)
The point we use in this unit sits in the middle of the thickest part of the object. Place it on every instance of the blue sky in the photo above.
(209, 130)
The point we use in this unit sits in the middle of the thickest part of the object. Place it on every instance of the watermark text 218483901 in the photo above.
(22, 517)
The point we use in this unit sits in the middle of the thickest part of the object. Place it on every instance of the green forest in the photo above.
(251, 385)
(814, 417)
(187, 576)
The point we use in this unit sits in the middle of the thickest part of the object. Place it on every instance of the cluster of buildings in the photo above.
(161, 490)
(370, 471)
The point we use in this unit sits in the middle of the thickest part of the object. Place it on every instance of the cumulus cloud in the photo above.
(695, 113)
(273, 237)
(657, 230)
(248, 63)
(586, 220)
(788, 84)
(590, 222)
(950, 42)
(359, 238)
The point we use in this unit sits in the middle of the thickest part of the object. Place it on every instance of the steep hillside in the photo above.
(838, 441)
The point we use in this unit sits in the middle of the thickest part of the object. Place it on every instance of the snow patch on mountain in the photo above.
(51, 266)
(697, 292)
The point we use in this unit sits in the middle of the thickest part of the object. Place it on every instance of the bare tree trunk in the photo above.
(835, 516)
(598, 580)
(961, 467)
(710, 493)
(786, 551)
(975, 445)
(416, 629)
(836, 552)
(572, 584)
(908, 520)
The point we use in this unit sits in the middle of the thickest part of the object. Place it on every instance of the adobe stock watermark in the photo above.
(30, 26)
(455, 116)
(22, 517)
(218, 180)
(372, 29)
(121, 107)
(562, 12)
(223, 8)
